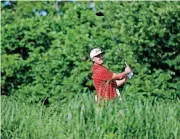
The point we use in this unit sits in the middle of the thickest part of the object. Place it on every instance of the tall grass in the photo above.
(81, 118)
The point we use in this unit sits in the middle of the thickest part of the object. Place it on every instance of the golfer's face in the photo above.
(98, 59)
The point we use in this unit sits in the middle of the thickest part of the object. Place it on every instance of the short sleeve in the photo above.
(106, 74)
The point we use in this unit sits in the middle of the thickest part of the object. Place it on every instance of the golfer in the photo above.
(105, 81)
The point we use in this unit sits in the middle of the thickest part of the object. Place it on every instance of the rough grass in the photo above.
(80, 118)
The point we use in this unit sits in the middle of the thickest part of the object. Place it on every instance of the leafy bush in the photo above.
(46, 58)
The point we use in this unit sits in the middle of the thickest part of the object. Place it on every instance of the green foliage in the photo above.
(46, 58)
(11, 64)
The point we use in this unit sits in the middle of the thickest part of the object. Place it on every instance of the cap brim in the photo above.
(99, 53)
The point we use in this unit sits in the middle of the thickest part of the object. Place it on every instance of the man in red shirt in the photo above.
(105, 81)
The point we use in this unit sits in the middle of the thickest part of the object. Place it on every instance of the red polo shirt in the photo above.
(105, 87)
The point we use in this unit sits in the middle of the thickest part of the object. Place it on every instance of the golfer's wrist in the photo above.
(125, 72)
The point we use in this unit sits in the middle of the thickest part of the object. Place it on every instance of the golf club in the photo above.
(102, 14)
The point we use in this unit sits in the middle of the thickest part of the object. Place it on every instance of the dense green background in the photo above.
(48, 56)
(45, 56)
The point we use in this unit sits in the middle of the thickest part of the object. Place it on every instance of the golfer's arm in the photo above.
(118, 76)
(121, 82)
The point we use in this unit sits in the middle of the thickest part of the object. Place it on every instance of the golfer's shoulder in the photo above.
(97, 69)
(103, 70)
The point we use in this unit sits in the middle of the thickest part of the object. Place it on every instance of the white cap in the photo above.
(94, 52)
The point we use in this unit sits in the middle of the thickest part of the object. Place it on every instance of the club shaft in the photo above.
(115, 40)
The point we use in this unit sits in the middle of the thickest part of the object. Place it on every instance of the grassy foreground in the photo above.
(80, 118)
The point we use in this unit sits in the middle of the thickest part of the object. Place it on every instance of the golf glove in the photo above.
(130, 75)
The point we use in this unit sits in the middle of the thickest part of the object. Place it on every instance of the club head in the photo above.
(99, 14)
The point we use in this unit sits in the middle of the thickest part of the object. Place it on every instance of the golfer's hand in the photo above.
(127, 69)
